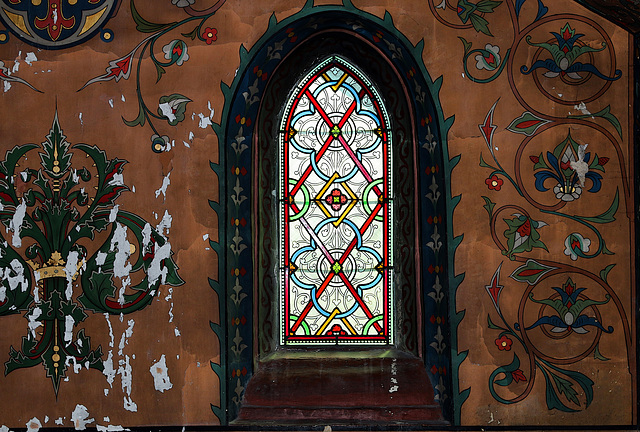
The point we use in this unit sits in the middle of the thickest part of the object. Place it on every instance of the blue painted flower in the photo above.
(569, 308)
(564, 54)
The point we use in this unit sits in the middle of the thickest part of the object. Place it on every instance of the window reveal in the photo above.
(336, 212)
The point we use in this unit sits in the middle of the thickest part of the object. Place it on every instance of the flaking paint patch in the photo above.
(80, 417)
(166, 181)
(69, 322)
(167, 111)
(113, 213)
(7, 86)
(121, 266)
(165, 225)
(160, 374)
(30, 58)
(110, 428)
(205, 121)
(125, 336)
(59, 421)
(33, 321)
(16, 224)
(111, 103)
(580, 166)
(3, 428)
(81, 121)
(125, 372)
(33, 425)
(70, 269)
(156, 270)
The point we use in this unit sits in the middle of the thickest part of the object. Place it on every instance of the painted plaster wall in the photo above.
(175, 326)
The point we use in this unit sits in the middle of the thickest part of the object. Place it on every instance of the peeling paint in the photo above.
(113, 213)
(80, 417)
(7, 86)
(69, 322)
(580, 166)
(125, 335)
(161, 380)
(191, 136)
(176, 332)
(122, 98)
(70, 269)
(121, 266)
(167, 111)
(166, 181)
(3, 428)
(165, 225)
(30, 58)
(124, 370)
(110, 428)
(582, 107)
(155, 270)
(81, 121)
(16, 224)
(185, 144)
(111, 103)
(33, 425)
(33, 321)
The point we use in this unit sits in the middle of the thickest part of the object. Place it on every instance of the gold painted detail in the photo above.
(91, 20)
(18, 20)
(55, 267)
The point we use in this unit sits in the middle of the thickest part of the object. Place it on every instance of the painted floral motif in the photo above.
(575, 245)
(569, 310)
(488, 58)
(504, 343)
(472, 12)
(51, 212)
(170, 107)
(494, 183)
(570, 165)
(564, 54)
(522, 234)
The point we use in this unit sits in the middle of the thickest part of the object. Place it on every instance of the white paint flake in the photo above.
(33, 321)
(191, 136)
(186, 144)
(582, 107)
(123, 99)
(167, 111)
(166, 181)
(111, 103)
(205, 237)
(176, 332)
(121, 266)
(164, 225)
(117, 180)
(70, 269)
(100, 258)
(155, 270)
(109, 370)
(113, 213)
(580, 166)
(59, 421)
(33, 425)
(161, 379)
(80, 417)
(17, 280)
(16, 224)
(125, 335)
(204, 121)
(111, 428)
(7, 86)
(130, 405)
(30, 58)
(3, 428)
(111, 339)
(69, 322)
(81, 121)
(124, 370)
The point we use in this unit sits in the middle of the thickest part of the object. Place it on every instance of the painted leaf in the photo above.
(527, 124)
(531, 272)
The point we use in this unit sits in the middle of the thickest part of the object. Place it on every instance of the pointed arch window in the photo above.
(336, 211)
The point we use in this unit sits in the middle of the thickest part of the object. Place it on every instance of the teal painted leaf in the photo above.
(489, 205)
(531, 272)
(467, 45)
(607, 216)
(605, 272)
(605, 114)
(144, 26)
(480, 24)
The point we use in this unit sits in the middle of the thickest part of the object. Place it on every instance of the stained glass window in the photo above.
(336, 213)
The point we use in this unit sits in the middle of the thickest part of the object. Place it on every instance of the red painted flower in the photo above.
(504, 343)
(210, 35)
(336, 330)
(494, 182)
(518, 375)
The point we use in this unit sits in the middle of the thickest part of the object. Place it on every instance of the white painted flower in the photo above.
(176, 50)
(576, 242)
(490, 60)
(567, 193)
(182, 3)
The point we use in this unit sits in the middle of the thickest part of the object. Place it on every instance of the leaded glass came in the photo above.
(336, 212)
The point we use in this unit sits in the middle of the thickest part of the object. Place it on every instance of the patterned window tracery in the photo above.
(336, 212)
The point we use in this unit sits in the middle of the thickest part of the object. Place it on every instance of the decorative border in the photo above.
(234, 170)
